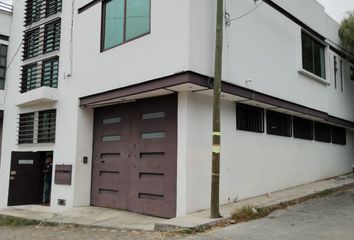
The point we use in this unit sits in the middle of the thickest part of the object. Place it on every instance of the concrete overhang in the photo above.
(42, 95)
(199, 84)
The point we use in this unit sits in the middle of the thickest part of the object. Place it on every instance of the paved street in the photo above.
(327, 218)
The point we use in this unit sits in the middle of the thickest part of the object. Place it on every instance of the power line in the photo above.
(247, 13)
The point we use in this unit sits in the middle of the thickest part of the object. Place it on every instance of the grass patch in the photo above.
(21, 222)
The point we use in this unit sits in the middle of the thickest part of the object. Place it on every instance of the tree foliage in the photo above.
(346, 32)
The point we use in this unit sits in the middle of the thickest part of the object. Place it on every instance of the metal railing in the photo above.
(39, 9)
(5, 6)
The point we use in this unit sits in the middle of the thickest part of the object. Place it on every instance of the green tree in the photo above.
(346, 32)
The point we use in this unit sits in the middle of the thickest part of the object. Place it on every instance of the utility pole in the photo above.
(215, 176)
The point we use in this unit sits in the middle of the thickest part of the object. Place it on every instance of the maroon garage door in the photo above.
(135, 157)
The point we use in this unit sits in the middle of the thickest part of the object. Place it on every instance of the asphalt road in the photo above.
(320, 219)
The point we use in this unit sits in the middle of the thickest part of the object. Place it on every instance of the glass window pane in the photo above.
(2, 72)
(307, 53)
(138, 18)
(114, 23)
(2, 61)
(319, 60)
(3, 50)
(2, 84)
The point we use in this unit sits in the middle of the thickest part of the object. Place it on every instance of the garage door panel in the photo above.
(144, 149)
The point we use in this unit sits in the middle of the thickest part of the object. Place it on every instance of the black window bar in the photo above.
(42, 40)
(249, 118)
(279, 124)
(40, 9)
(303, 128)
(322, 132)
(46, 126)
(338, 135)
(40, 74)
(26, 128)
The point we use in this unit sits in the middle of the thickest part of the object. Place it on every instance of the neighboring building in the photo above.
(5, 25)
(119, 92)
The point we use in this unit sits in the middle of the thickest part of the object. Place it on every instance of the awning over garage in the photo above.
(193, 82)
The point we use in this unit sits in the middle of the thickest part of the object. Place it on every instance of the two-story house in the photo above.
(119, 94)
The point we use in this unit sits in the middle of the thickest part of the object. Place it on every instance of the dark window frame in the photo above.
(279, 124)
(322, 132)
(103, 17)
(46, 126)
(55, 28)
(300, 131)
(247, 119)
(53, 82)
(26, 128)
(321, 44)
(338, 135)
(26, 83)
(32, 43)
(3, 66)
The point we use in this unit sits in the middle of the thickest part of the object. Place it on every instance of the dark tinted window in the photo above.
(249, 118)
(322, 132)
(303, 128)
(3, 56)
(339, 135)
(278, 124)
(313, 56)
(26, 128)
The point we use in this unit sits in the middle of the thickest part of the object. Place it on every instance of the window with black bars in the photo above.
(37, 127)
(39, 9)
(51, 37)
(249, 118)
(42, 40)
(46, 126)
(338, 135)
(322, 132)
(279, 124)
(3, 56)
(303, 128)
(26, 128)
(44, 73)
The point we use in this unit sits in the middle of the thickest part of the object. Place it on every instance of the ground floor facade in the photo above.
(147, 149)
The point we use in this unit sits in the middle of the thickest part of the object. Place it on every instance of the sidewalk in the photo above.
(114, 219)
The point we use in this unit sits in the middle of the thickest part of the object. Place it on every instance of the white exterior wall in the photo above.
(251, 163)
(5, 25)
(262, 51)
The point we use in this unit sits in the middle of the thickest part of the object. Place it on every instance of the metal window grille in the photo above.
(42, 40)
(44, 73)
(51, 37)
(26, 128)
(339, 135)
(249, 118)
(39, 9)
(37, 127)
(46, 126)
(322, 132)
(3, 56)
(279, 124)
(303, 128)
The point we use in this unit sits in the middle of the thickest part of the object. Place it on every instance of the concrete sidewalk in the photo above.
(108, 218)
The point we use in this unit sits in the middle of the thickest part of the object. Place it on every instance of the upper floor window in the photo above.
(39, 9)
(313, 56)
(3, 55)
(51, 36)
(124, 20)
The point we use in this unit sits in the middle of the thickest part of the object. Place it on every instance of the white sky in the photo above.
(335, 8)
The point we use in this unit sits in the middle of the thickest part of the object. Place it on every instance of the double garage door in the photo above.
(135, 157)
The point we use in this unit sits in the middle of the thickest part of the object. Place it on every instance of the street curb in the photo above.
(228, 220)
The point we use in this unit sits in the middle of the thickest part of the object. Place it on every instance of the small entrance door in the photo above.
(135, 157)
(26, 178)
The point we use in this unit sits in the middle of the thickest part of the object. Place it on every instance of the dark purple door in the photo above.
(26, 179)
(135, 157)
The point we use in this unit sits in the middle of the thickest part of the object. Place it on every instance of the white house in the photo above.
(119, 93)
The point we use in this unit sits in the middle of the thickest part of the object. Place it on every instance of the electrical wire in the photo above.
(247, 13)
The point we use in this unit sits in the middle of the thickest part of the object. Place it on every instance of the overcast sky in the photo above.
(335, 8)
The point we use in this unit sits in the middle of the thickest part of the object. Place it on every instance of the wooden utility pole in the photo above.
(215, 176)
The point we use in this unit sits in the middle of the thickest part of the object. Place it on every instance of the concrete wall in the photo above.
(262, 51)
(251, 163)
